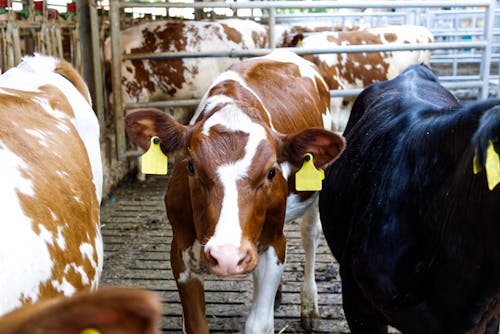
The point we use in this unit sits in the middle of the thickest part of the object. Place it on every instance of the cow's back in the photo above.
(159, 79)
(51, 186)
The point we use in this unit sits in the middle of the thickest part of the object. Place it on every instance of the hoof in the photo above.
(310, 320)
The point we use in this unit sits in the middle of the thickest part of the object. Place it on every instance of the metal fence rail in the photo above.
(482, 41)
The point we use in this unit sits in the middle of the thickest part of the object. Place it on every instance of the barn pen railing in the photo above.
(115, 5)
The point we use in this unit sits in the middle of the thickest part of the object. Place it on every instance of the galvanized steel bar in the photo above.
(98, 78)
(163, 104)
(303, 51)
(272, 24)
(449, 85)
(486, 57)
(472, 83)
(311, 4)
(116, 62)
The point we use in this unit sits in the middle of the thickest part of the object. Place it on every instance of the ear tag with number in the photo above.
(308, 178)
(154, 161)
(492, 166)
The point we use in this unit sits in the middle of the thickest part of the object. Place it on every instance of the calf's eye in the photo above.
(190, 167)
(271, 174)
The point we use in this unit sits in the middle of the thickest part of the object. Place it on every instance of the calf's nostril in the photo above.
(211, 259)
(244, 259)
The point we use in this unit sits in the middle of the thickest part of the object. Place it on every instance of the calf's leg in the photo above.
(310, 230)
(185, 265)
(266, 277)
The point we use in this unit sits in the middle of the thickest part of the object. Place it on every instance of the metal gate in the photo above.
(454, 43)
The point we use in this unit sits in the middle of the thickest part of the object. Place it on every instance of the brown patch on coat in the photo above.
(390, 37)
(264, 76)
(232, 34)
(150, 74)
(353, 68)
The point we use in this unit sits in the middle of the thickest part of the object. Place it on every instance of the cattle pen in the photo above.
(481, 40)
(136, 233)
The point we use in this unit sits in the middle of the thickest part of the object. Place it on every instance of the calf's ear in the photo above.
(143, 124)
(325, 146)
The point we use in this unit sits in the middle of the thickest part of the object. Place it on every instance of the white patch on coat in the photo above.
(45, 235)
(100, 258)
(266, 277)
(230, 76)
(87, 251)
(21, 274)
(191, 260)
(64, 286)
(295, 207)
(286, 169)
(61, 242)
(40, 135)
(209, 103)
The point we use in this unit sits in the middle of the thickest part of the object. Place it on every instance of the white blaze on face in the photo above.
(228, 229)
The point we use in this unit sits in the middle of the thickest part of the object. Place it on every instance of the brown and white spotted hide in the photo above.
(233, 187)
(358, 70)
(50, 184)
(108, 310)
(188, 78)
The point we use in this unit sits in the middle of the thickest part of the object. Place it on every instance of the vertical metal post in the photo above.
(486, 57)
(272, 27)
(116, 61)
(98, 71)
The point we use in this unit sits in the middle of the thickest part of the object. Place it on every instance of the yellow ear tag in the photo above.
(492, 166)
(476, 167)
(308, 178)
(90, 331)
(154, 161)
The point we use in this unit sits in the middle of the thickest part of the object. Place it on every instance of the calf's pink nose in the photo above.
(227, 260)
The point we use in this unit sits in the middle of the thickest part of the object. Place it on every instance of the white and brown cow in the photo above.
(188, 78)
(358, 70)
(233, 187)
(110, 310)
(50, 183)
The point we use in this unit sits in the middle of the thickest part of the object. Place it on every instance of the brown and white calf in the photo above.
(50, 183)
(358, 70)
(233, 187)
(109, 310)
